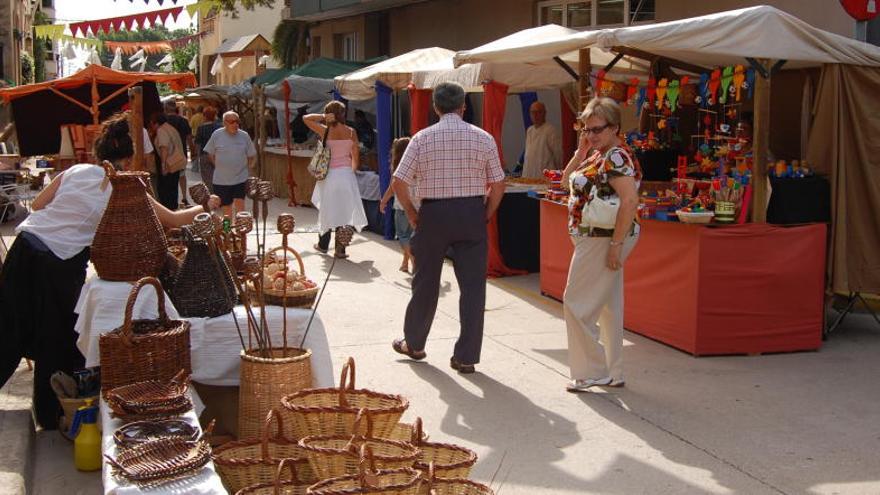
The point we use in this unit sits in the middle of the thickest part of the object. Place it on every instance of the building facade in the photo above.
(16, 37)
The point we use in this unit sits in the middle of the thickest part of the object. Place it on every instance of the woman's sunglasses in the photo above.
(590, 130)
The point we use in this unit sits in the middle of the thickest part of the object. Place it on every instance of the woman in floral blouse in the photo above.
(603, 167)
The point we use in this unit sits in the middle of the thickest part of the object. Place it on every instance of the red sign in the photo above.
(860, 10)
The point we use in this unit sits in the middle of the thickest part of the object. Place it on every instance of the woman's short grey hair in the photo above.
(230, 113)
(448, 97)
(603, 107)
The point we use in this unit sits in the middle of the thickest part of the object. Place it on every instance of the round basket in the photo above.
(450, 461)
(447, 486)
(265, 381)
(334, 456)
(251, 462)
(277, 487)
(695, 217)
(332, 411)
(403, 481)
(290, 298)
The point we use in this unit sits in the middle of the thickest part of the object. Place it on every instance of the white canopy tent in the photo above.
(396, 73)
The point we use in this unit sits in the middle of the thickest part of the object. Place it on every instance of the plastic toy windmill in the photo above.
(739, 77)
(661, 92)
(652, 91)
(714, 83)
(726, 79)
(672, 92)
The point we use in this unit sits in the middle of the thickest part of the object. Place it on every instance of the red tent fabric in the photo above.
(569, 138)
(420, 106)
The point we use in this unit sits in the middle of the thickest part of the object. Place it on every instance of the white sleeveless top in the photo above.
(67, 224)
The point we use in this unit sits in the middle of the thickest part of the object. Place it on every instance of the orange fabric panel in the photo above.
(420, 108)
(569, 136)
(556, 249)
(494, 105)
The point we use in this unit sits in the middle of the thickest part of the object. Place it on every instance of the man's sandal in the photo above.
(400, 346)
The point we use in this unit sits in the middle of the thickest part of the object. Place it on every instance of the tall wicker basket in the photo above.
(203, 286)
(129, 243)
(143, 350)
(265, 380)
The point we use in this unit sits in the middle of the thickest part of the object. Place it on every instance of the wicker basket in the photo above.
(450, 461)
(161, 460)
(403, 481)
(332, 411)
(203, 286)
(334, 456)
(250, 462)
(290, 298)
(277, 487)
(69, 406)
(129, 243)
(433, 485)
(265, 381)
(144, 349)
(150, 399)
(141, 432)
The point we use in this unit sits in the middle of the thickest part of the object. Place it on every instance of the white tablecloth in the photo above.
(214, 342)
(206, 482)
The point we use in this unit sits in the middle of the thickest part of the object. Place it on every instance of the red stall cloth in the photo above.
(744, 289)
(569, 137)
(420, 107)
(494, 104)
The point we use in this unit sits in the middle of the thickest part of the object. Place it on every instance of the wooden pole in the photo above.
(96, 101)
(585, 92)
(761, 144)
(259, 128)
(136, 124)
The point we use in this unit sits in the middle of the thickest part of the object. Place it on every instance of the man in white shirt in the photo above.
(543, 147)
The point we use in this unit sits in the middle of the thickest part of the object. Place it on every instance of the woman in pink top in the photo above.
(337, 197)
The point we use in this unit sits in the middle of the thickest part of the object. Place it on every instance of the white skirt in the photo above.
(338, 200)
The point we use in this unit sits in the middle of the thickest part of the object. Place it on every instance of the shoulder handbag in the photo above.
(598, 212)
(320, 164)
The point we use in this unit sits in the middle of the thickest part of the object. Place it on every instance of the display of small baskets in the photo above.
(161, 460)
(450, 461)
(250, 462)
(150, 399)
(433, 485)
(403, 481)
(332, 411)
(203, 285)
(334, 456)
(266, 380)
(294, 486)
(144, 349)
(302, 297)
(141, 432)
(129, 242)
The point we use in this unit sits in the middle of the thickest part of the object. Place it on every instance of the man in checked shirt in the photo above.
(455, 170)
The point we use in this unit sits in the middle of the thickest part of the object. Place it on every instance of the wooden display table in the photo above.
(743, 289)
(274, 162)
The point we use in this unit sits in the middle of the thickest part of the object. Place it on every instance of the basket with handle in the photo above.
(250, 462)
(203, 285)
(142, 350)
(266, 380)
(332, 411)
(334, 456)
(402, 481)
(294, 486)
(450, 461)
(432, 485)
(291, 297)
(129, 242)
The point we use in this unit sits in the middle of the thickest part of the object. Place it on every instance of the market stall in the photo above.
(677, 279)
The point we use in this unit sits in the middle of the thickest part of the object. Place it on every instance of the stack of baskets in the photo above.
(345, 440)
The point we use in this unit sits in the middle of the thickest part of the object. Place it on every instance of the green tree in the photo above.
(40, 47)
(27, 68)
(154, 33)
(289, 43)
(233, 5)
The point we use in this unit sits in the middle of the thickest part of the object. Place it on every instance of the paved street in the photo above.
(787, 423)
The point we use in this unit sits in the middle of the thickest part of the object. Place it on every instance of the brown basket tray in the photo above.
(254, 461)
(334, 456)
(332, 411)
(150, 398)
(449, 461)
(290, 298)
(144, 349)
(433, 485)
(403, 481)
(161, 460)
(277, 487)
(141, 432)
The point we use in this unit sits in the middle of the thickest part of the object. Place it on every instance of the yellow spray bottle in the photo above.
(87, 439)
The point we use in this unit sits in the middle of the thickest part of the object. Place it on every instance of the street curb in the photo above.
(17, 434)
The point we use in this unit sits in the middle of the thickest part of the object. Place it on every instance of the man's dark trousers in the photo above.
(459, 223)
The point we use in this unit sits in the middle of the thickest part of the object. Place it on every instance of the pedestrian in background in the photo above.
(233, 154)
(337, 197)
(402, 228)
(203, 134)
(172, 160)
(456, 172)
(602, 168)
(185, 132)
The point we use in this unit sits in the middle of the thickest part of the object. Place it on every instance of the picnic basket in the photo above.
(450, 461)
(203, 285)
(294, 486)
(302, 298)
(332, 411)
(129, 242)
(253, 461)
(334, 456)
(402, 481)
(142, 350)
(266, 380)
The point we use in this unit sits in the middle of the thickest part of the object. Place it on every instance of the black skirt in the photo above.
(38, 293)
